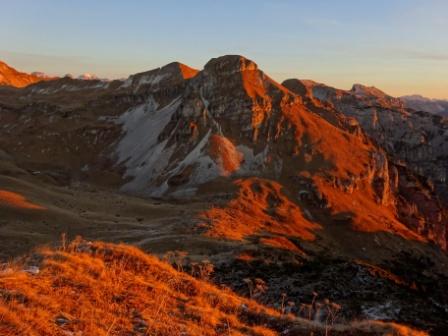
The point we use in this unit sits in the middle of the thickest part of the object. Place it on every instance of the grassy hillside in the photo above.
(86, 288)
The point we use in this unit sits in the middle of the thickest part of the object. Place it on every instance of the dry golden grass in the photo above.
(101, 289)
(105, 289)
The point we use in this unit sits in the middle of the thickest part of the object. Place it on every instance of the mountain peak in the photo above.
(88, 76)
(230, 64)
(173, 72)
(364, 90)
(177, 67)
(11, 77)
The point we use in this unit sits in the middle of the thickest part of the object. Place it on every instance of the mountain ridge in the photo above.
(231, 120)
(420, 103)
(11, 77)
(227, 160)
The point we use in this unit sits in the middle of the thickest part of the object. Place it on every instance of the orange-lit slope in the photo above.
(15, 200)
(367, 215)
(342, 154)
(12, 77)
(225, 154)
(187, 72)
(346, 167)
(280, 118)
(260, 206)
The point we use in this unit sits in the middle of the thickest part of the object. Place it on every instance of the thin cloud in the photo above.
(423, 55)
(414, 54)
(428, 56)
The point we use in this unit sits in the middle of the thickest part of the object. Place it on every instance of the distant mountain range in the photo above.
(12, 77)
(420, 103)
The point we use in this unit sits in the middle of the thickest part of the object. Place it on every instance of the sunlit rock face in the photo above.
(233, 112)
(417, 139)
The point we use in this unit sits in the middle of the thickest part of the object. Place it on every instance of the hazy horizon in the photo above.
(395, 46)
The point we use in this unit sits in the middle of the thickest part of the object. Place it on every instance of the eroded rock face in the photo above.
(417, 143)
(271, 131)
(418, 139)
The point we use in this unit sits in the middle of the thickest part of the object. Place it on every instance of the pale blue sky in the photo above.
(400, 46)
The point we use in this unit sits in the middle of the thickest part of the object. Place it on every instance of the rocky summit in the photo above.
(298, 195)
